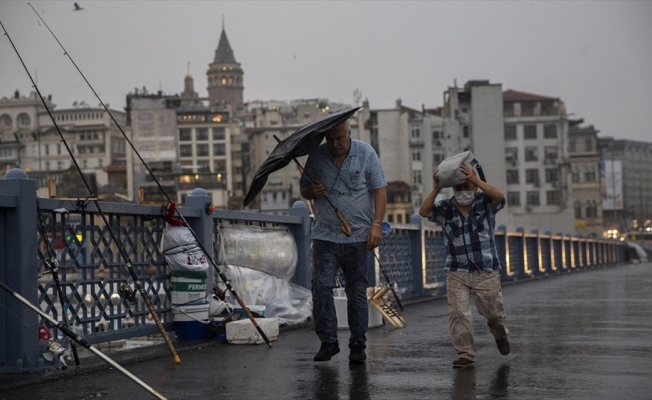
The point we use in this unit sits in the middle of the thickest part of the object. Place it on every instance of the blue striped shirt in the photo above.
(470, 240)
(350, 189)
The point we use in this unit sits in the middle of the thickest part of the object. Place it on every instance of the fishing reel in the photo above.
(128, 292)
(55, 349)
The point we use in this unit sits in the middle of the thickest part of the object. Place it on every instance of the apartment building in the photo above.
(585, 176)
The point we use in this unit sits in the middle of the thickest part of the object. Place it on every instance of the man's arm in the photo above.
(426, 207)
(375, 234)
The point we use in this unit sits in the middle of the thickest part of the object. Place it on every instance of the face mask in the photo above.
(464, 197)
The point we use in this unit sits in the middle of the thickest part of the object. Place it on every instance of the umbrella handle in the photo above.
(345, 228)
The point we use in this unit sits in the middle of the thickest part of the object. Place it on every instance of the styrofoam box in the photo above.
(339, 296)
(244, 332)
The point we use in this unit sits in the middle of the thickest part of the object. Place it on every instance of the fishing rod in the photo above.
(121, 249)
(52, 265)
(72, 335)
(194, 235)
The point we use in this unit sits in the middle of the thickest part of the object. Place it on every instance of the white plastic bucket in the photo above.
(188, 287)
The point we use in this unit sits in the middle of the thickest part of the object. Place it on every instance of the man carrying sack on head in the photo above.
(472, 265)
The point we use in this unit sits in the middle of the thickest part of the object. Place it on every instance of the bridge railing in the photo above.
(92, 266)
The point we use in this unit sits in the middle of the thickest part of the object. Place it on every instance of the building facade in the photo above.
(585, 175)
(31, 141)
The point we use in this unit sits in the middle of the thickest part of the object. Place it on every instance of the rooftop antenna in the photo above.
(188, 67)
(222, 21)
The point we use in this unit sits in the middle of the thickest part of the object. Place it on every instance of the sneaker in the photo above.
(357, 355)
(327, 351)
(463, 363)
(503, 346)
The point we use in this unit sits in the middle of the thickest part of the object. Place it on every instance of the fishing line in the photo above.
(158, 184)
(122, 251)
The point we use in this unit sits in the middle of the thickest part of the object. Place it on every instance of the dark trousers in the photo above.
(352, 258)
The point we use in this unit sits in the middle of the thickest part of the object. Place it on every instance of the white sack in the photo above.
(181, 250)
(449, 170)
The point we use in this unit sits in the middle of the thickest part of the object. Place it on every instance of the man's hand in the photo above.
(435, 178)
(374, 237)
(469, 176)
(318, 190)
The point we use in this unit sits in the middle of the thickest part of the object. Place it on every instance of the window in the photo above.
(399, 218)
(5, 121)
(415, 131)
(533, 197)
(552, 197)
(578, 209)
(588, 144)
(572, 146)
(202, 150)
(58, 148)
(510, 132)
(47, 149)
(575, 176)
(201, 133)
(219, 149)
(437, 134)
(532, 176)
(530, 132)
(592, 209)
(416, 156)
(186, 150)
(508, 109)
(548, 108)
(185, 135)
(552, 175)
(218, 134)
(531, 153)
(47, 165)
(512, 176)
(511, 154)
(24, 120)
(550, 131)
(527, 108)
(589, 175)
(550, 153)
(513, 199)
(416, 177)
(465, 132)
(437, 158)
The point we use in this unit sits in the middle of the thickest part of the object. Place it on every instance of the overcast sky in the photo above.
(595, 56)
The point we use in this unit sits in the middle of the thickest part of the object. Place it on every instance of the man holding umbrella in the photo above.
(348, 174)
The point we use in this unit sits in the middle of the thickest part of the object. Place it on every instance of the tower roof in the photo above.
(224, 53)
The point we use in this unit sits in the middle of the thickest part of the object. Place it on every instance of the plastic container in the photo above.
(190, 321)
(257, 311)
(188, 287)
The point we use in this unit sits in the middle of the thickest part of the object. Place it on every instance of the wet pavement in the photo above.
(584, 335)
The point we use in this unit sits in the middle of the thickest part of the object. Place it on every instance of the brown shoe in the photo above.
(463, 363)
(503, 346)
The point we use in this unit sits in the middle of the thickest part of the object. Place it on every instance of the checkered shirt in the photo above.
(470, 241)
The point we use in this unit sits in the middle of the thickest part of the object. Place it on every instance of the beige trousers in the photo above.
(488, 298)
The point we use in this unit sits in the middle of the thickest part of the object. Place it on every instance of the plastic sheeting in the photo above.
(291, 304)
(270, 250)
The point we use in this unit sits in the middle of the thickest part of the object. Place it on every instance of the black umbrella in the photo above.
(298, 144)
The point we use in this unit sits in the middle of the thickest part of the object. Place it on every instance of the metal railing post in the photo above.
(19, 330)
(203, 227)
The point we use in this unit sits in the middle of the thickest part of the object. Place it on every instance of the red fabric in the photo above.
(171, 219)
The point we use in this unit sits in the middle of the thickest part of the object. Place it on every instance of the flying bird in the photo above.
(77, 7)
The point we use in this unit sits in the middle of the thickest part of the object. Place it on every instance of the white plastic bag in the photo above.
(181, 250)
(449, 170)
